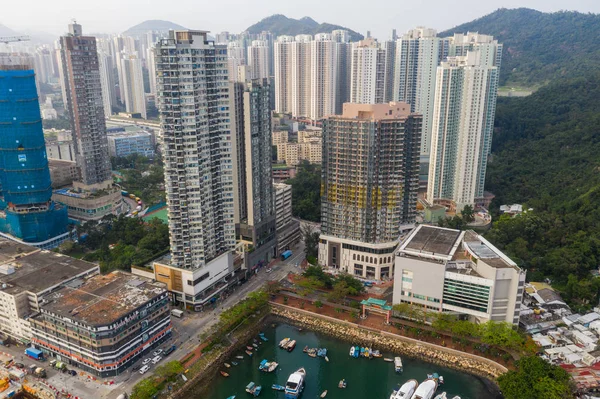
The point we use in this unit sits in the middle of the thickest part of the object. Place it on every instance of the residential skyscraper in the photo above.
(133, 84)
(300, 72)
(418, 53)
(236, 57)
(197, 153)
(344, 68)
(258, 59)
(323, 83)
(282, 50)
(27, 211)
(81, 81)
(390, 63)
(463, 120)
(367, 84)
(369, 186)
(252, 173)
(107, 81)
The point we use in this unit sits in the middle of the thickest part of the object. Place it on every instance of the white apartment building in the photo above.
(463, 121)
(107, 82)
(236, 57)
(258, 60)
(133, 84)
(323, 87)
(193, 103)
(448, 270)
(368, 72)
(300, 72)
(282, 50)
(151, 64)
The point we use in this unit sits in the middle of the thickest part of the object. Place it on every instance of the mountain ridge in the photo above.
(279, 24)
(151, 25)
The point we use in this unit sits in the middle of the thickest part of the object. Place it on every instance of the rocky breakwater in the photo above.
(355, 334)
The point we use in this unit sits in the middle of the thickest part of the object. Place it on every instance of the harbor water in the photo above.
(366, 378)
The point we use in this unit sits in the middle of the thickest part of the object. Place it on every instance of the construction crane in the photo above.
(12, 39)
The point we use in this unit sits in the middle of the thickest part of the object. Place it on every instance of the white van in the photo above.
(156, 359)
(144, 369)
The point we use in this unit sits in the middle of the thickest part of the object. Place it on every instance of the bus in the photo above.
(286, 254)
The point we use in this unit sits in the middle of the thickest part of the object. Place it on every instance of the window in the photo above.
(198, 280)
(407, 278)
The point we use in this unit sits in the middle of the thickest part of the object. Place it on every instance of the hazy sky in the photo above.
(378, 16)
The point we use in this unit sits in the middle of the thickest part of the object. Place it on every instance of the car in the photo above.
(157, 352)
(146, 361)
(269, 270)
(144, 369)
(156, 359)
(136, 368)
(73, 372)
(20, 365)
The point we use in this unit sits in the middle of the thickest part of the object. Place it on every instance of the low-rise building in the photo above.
(128, 140)
(84, 204)
(283, 172)
(60, 149)
(62, 173)
(103, 324)
(26, 275)
(449, 270)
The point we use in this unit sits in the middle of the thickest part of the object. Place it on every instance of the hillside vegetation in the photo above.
(281, 25)
(540, 47)
(546, 154)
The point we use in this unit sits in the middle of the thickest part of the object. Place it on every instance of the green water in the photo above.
(366, 378)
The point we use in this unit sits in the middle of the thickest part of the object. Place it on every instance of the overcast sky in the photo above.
(378, 16)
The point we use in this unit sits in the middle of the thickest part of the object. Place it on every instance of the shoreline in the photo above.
(484, 369)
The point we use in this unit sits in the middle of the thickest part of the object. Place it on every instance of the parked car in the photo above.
(146, 361)
(144, 369)
(157, 352)
(156, 359)
(73, 372)
(19, 365)
(136, 368)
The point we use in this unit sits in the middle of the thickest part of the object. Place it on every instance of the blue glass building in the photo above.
(26, 209)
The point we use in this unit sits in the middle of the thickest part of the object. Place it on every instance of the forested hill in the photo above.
(540, 47)
(546, 154)
(281, 25)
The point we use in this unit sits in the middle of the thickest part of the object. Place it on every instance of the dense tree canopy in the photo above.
(535, 378)
(306, 192)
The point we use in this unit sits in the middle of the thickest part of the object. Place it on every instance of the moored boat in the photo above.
(322, 352)
(234, 363)
(387, 359)
(305, 349)
(324, 393)
(290, 345)
(253, 389)
(326, 359)
(441, 396)
(277, 387)
(356, 351)
(249, 347)
(295, 384)
(342, 383)
(224, 374)
(398, 364)
(254, 345)
(441, 380)
(231, 397)
(405, 391)
(262, 337)
(239, 357)
(272, 366)
(284, 342)
(227, 365)
(376, 354)
(426, 390)
(249, 353)
(352, 350)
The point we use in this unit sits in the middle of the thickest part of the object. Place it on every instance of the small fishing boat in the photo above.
(305, 349)
(295, 384)
(254, 345)
(250, 347)
(322, 352)
(284, 342)
(235, 363)
(356, 351)
(362, 351)
(352, 350)
(324, 393)
(398, 364)
(376, 354)
(239, 357)
(291, 345)
(342, 383)
(326, 359)
(231, 397)
(441, 380)
(249, 353)
(262, 337)
(253, 389)
(278, 387)
(224, 374)
(227, 365)
(406, 390)
(426, 389)
(387, 359)
(263, 365)
(367, 352)
(441, 396)
(312, 352)
(272, 366)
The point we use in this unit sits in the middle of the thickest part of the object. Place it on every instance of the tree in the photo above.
(501, 334)
(145, 389)
(468, 214)
(535, 378)
(355, 286)
(311, 241)
(309, 285)
(306, 192)
(339, 292)
(443, 321)
(169, 370)
(318, 273)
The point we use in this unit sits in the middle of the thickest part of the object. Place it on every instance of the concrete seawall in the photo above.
(354, 333)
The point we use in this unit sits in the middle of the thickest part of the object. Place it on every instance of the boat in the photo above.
(398, 364)
(235, 363)
(426, 389)
(278, 387)
(441, 396)
(342, 383)
(254, 345)
(224, 374)
(272, 367)
(249, 353)
(312, 352)
(324, 393)
(253, 389)
(322, 352)
(290, 345)
(284, 342)
(227, 365)
(295, 384)
(376, 354)
(356, 351)
(305, 349)
(231, 397)
(456, 397)
(250, 347)
(405, 391)
(263, 365)
(387, 359)
(326, 359)
(239, 357)
(441, 380)
(367, 352)
(362, 351)
(352, 350)
(262, 337)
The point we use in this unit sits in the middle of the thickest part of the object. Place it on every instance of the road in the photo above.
(188, 329)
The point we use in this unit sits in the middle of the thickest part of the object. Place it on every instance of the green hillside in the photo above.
(281, 25)
(540, 47)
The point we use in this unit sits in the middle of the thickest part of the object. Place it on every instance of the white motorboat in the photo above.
(398, 364)
(295, 384)
(441, 396)
(426, 390)
(406, 390)
(352, 350)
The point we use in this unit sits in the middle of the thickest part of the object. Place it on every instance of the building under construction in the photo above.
(27, 212)
(369, 186)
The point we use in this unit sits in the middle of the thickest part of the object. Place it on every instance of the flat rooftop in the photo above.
(103, 299)
(484, 250)
(431, 240)
(25, 268)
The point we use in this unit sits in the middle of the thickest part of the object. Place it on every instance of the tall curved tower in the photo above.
(26, 209)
